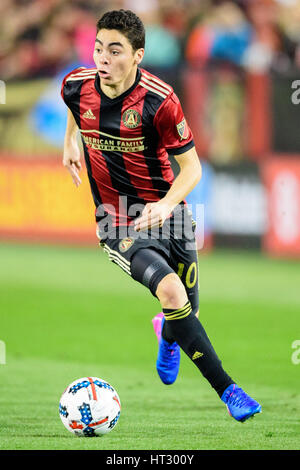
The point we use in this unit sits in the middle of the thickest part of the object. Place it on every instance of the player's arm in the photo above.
(189, 175)
(71, 154)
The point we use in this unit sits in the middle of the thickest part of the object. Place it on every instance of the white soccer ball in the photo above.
(89, 407)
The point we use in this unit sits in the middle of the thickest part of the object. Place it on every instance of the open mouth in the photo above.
(103, 74)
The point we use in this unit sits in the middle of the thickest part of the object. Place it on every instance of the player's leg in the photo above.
(184, 255)
(185, 328)
(182, 326)
(185, 263)
(151, 269)
(144, 262)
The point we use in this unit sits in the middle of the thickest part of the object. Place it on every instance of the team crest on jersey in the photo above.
(182, 129)
(131, 118)
(125, 244)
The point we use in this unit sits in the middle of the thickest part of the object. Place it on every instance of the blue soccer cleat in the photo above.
(168, 358)
(239, 405)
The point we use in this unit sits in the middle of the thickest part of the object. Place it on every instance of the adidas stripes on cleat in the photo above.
(168, 359)
(239, 405)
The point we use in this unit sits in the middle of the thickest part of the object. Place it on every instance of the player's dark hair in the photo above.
(128, 23)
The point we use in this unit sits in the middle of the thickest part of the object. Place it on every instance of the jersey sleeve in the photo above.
(68, 87)
(175, 134)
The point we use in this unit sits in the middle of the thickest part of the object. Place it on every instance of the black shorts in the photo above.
(150, 255)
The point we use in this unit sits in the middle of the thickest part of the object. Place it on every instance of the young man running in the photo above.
(129, 121)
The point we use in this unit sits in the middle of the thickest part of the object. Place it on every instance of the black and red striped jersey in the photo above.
(127, 139)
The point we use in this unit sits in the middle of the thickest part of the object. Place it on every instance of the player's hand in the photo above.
(71, 160)
(153, 215)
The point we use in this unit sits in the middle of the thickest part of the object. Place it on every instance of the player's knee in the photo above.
(171, 292)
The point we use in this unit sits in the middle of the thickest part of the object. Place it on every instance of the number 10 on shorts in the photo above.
(191, 275)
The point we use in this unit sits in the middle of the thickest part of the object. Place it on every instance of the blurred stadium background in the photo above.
(235, 66)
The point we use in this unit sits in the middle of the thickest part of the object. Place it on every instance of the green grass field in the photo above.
(67, 312)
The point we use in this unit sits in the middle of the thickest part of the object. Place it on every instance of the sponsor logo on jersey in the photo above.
(131, 118)
(183, 129)
(112, 143)
(89, 114)
(125, 244)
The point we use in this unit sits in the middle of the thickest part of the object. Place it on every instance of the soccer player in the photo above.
(129, 121)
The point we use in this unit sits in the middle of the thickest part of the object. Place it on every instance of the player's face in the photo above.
(114, 57)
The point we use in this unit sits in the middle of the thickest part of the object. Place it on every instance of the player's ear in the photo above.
(139, 54)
